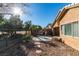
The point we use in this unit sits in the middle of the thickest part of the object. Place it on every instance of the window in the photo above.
(78, 29)
(71, 29)
(67, 29)
(75, 28)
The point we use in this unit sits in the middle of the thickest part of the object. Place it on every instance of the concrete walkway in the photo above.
(37, 42)
(42, 38)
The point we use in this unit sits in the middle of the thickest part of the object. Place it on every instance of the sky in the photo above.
(43, 13)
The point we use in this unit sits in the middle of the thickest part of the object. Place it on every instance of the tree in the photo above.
(2, 21)
(36, 27)
(5, 25)
(27, 25)
(39, 27)
(1, 18)
(12, 24)
(16, 22)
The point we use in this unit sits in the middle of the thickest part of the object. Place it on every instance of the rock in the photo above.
(37, 43)
(38, 46)
(38, 51)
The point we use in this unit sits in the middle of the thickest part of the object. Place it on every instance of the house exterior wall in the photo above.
(71, 16)
(56, 24)
(55, 29)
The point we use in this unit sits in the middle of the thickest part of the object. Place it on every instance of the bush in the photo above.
(27, 38)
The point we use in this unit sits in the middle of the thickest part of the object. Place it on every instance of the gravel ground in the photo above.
(12, 51)
(56, 48)
(52, 48)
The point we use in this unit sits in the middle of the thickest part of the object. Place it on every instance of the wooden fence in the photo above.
(7, 42)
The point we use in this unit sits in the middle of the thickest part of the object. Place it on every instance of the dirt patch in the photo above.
(57, 48)
(51, 48)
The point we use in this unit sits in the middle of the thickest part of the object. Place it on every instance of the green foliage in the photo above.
(1, 19)
(27, 25)
(27, 38)
(16, 22)
(36, 27)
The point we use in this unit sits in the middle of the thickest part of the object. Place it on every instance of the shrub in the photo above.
(27, 38)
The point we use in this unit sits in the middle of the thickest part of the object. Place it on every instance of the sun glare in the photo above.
(17, 11)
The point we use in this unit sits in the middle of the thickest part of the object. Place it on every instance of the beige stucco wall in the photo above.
(71, 16)
(71, 41)
(21, 32)
(55, 25)
(18, 32)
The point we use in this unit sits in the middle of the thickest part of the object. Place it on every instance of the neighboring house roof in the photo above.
(48, 26)
(63, 11)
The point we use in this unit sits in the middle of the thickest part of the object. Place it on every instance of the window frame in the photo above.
(72, 28)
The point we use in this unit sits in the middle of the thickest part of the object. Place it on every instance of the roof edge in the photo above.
(66, 8)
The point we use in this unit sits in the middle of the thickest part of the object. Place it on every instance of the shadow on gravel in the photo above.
(50, 44)
(31, 46)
